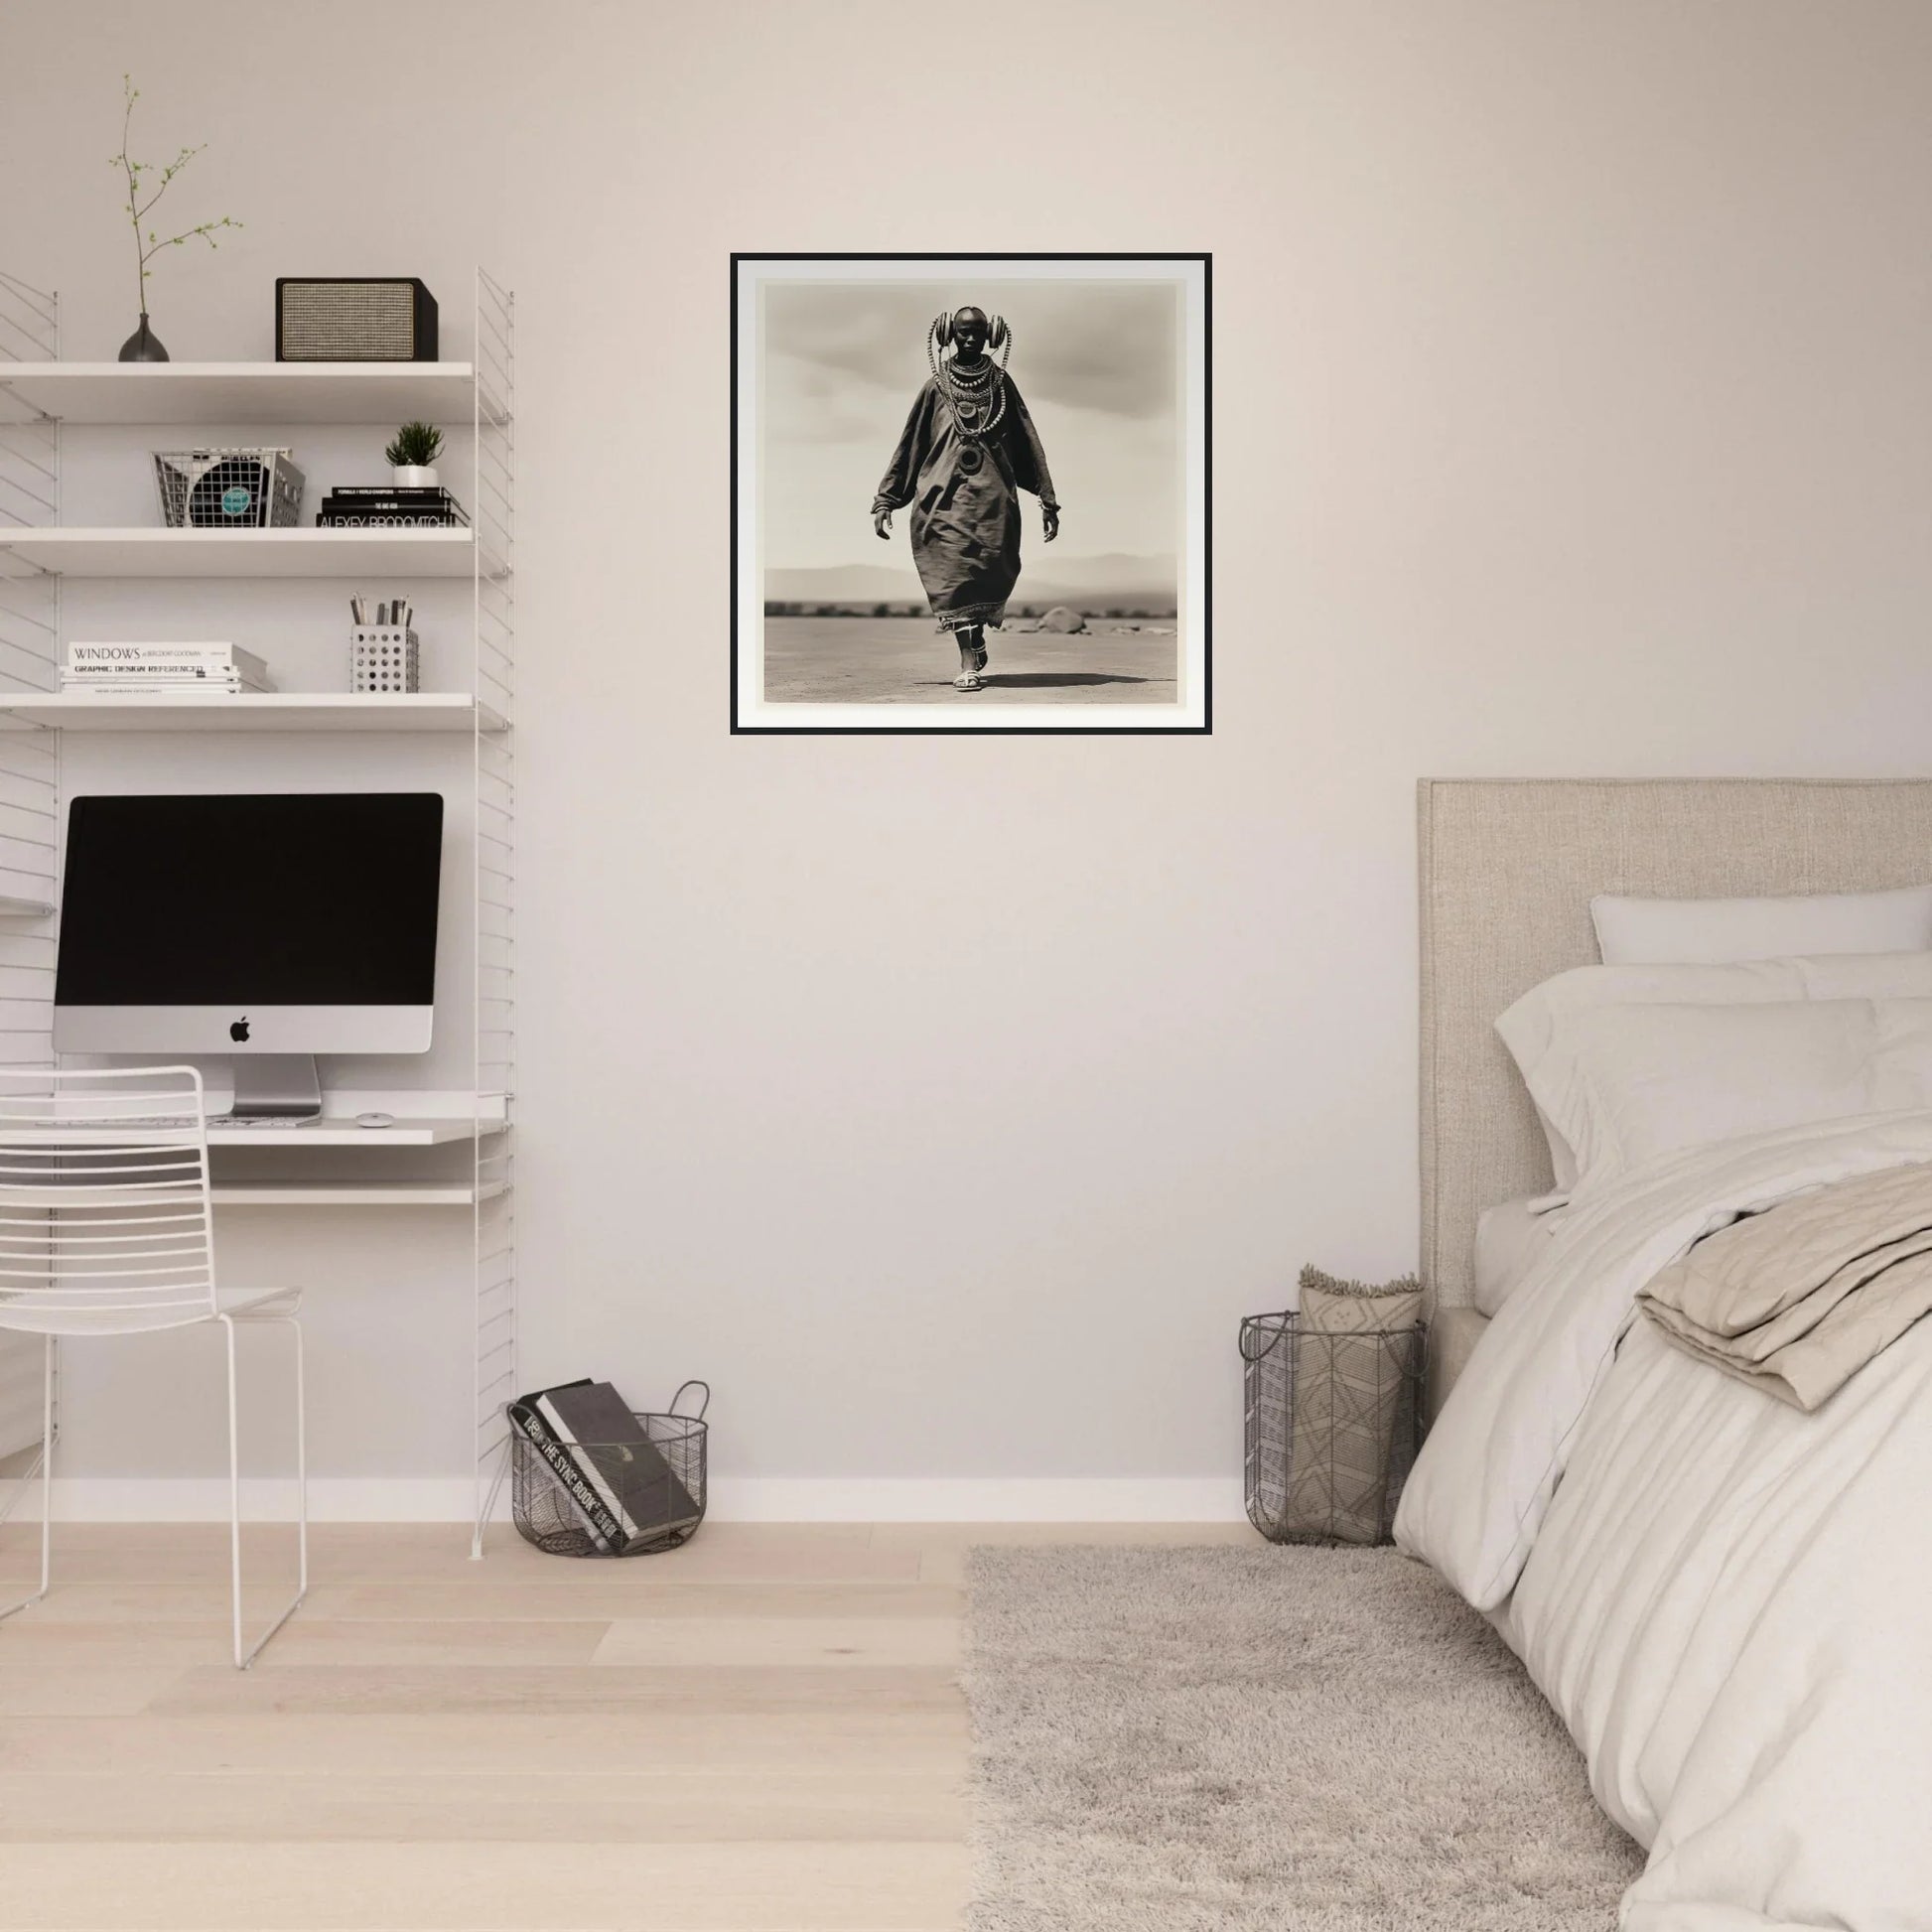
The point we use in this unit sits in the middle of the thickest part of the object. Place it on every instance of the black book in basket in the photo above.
(609, 1481)
(625, 1466)
(575, 1484)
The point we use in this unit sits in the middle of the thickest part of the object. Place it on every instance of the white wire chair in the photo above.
(106, 1228)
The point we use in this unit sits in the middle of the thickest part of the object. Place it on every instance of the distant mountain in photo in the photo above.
(1083, 582)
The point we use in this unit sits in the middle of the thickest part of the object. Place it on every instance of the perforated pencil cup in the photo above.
(382, 657)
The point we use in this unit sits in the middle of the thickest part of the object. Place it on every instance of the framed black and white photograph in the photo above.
(970, 492)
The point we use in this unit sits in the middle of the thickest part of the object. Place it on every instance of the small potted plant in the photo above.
(412, 454)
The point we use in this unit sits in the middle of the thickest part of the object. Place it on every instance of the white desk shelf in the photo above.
(264, 711)
(436, 1132)
(46, 566)
(428, 1131)
(376, 393)
(137, 552)
(352, 1194)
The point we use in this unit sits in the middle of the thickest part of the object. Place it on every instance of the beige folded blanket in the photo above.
(1797, 1299)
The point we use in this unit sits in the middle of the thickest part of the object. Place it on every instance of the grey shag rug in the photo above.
(1227, 1740)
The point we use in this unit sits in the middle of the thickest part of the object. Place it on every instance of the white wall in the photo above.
(945, 1101)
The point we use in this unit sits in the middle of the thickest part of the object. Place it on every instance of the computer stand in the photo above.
(276, 1086)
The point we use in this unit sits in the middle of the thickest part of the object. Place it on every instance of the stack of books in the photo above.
(119, 670)
(628, 1496)
(385, 507)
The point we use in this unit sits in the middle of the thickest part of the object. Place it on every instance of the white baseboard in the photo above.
(978, 1499)
(205, 1499)
(733, 1499)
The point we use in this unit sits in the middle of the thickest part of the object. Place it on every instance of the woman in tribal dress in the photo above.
(968, 449)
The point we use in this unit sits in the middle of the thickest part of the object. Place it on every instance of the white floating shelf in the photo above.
(423, 1131)
(384, 393)
(106, 552)
(263, 711)
(346, 1133)
(350, 1193)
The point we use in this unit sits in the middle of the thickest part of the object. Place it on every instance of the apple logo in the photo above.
(239, 1030)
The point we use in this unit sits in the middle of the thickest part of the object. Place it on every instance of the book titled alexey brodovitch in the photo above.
(628, 1496)
(375, 506)
(121, 667)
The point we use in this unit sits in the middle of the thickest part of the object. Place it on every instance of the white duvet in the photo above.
(1728, 1601)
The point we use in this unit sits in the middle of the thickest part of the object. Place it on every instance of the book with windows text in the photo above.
(123, 667)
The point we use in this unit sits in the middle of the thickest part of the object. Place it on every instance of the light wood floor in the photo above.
(760, 1732)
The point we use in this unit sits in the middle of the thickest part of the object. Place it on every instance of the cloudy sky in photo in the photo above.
(1098, 363)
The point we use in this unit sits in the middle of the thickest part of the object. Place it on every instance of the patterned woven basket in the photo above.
(1333, 1428)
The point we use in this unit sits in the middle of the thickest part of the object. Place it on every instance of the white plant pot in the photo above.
(413, 475)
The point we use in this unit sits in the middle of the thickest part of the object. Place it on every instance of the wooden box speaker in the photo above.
(354, 318)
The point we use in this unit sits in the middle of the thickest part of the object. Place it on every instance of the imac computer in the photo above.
(267, 926)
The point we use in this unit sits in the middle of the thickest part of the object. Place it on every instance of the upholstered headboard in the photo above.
(1508, 866)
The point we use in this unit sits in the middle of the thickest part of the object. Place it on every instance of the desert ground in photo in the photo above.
(903, 660)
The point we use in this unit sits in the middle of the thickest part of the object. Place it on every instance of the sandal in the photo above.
(969, 681)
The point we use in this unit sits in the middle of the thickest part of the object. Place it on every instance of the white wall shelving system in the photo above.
(38, 394)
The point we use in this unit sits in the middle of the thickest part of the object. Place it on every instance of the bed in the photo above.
(1722, 1596)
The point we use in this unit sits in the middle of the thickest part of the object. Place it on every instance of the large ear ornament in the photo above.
(996, 333)
(943, 327)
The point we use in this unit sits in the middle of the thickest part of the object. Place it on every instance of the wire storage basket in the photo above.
(228, 490)
(1333, 1422)
(614, 1499)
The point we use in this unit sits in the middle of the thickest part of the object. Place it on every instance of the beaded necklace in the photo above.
(977, 396)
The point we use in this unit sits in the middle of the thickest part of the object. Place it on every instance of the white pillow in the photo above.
(1684, 932)
(1625, 1085)
(1529, 1026)
(1510, 1240)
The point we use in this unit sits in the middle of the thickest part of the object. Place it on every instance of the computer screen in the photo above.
(275, 923)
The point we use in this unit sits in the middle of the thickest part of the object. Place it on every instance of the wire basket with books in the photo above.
(590, 1476)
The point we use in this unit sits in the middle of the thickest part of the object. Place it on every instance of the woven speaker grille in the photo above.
(348, 322)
